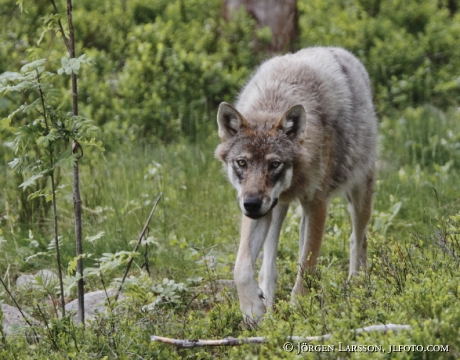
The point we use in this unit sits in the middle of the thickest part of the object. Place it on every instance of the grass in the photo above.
(414, 253)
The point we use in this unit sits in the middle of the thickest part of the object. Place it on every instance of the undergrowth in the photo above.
(177, 285)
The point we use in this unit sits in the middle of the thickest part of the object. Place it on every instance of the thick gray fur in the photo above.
(303, 128)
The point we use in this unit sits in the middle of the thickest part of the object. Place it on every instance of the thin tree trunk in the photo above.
(53, 192)
(76, 149)
(56, 240)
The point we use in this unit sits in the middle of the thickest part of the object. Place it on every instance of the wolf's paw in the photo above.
(253, 311)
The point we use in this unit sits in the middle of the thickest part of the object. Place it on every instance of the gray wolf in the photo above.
(303, 128)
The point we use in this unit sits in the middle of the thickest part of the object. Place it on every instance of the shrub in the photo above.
(409, 48)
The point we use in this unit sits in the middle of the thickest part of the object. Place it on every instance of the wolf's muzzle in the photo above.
(253, 204)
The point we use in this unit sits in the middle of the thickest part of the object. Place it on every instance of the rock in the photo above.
(27, 281)
(95, 302)
(13, 322)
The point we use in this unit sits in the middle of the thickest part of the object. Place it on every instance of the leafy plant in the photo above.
(39, 144)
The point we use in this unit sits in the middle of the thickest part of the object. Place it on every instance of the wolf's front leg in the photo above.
(253, 234)
(269, 273)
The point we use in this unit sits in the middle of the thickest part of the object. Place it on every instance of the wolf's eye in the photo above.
(275, 164)
(241, 163)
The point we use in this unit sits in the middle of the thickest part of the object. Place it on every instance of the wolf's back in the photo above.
(333, 87)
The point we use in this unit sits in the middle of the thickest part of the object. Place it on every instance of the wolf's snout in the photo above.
(252, 204)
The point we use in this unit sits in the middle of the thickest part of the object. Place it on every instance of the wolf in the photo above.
(303, 128)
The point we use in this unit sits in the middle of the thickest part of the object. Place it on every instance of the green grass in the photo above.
(414, 252)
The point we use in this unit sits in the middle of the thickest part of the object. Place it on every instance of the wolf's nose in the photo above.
(253, 204)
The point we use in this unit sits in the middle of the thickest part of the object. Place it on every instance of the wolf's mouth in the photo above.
(256, 215)
(274, 203)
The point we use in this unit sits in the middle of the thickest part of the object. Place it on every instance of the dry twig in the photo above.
(260, 339)
(139, 240)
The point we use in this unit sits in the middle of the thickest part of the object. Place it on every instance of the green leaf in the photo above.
(39, 254)
(38, 193)
(72, 266)
(34, 53)
(46, 140)
(97, 144)
(93, 238)
(33, 106)
(65, 159)
(70, 283)
(10, 76)
(19, 3)
(150, 241)
(34, 65)
(64, 62)
(30, 181)
(73, 65)
(6, 121)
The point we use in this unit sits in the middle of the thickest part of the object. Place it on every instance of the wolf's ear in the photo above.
(229, 121)
(293, 122)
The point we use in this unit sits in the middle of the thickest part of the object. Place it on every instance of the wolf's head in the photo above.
(259, 156)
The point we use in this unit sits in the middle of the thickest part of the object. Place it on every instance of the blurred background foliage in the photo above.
(161, 68)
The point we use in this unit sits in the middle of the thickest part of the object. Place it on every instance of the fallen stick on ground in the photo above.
(260, 339)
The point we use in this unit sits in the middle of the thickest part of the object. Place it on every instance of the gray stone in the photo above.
(13, 321)
(27, 281)
(95, 302)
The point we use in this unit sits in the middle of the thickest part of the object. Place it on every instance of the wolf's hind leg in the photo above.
(311, 236)
(269, 273)
(360, 207)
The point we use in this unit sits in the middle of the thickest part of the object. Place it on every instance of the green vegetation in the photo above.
(159, 70)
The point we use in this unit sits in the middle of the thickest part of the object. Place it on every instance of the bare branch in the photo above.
(261, 340)
(42, 98)
(18, 307)
(61, 28)
(139, 240)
